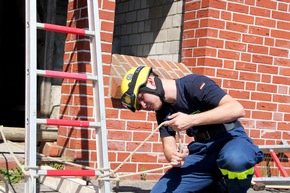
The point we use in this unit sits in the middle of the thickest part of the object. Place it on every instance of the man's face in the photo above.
(149, 101)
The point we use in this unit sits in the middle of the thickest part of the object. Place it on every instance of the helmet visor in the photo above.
(128, 101)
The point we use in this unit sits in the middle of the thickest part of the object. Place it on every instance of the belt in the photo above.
(211, 133)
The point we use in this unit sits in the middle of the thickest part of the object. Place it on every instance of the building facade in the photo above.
(242, 44)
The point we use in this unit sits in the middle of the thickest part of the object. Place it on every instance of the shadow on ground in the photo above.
(129, 189)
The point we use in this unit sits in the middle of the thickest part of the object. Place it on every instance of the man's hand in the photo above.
(177, 159)
(227, 110)
(179, 121)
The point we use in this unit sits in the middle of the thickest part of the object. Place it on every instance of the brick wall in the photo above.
(243, 45)
(78, 144)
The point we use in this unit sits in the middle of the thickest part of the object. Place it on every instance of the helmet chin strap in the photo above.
(159, 91)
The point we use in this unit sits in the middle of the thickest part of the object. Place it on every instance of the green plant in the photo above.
(54, 165)
(143, 175)
(14, 175)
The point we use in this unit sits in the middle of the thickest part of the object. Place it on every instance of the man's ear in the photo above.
(151, 81)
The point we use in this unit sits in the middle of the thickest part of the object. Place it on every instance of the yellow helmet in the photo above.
(133, 80)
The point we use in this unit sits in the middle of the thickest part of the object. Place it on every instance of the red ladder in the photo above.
(31, 119)
(281, 181)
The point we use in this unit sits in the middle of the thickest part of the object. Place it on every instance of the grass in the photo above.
(13, 175)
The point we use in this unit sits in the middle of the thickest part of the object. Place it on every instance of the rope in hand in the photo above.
(169, 166)
(114, 171)
(101, 176)
(131, 154)
(180, 142)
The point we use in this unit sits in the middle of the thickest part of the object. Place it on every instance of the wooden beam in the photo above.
(18, 134)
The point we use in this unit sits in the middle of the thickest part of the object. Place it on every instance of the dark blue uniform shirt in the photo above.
(195, 94)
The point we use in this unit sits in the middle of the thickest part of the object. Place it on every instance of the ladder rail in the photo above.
(30, 90)
(97, 70)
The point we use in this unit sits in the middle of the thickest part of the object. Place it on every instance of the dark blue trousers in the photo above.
(233, 151)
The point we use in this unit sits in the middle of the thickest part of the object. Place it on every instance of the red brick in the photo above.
(51, 149)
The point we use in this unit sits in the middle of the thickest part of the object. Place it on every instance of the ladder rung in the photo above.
(69, 172)
(257, 172)
(61, 122)
(64, 29)
(277, 161)
(57, 74)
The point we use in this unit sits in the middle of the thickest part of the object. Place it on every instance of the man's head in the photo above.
(134, 82)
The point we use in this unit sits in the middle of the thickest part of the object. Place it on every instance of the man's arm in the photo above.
(228, 110)
(171, 151)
